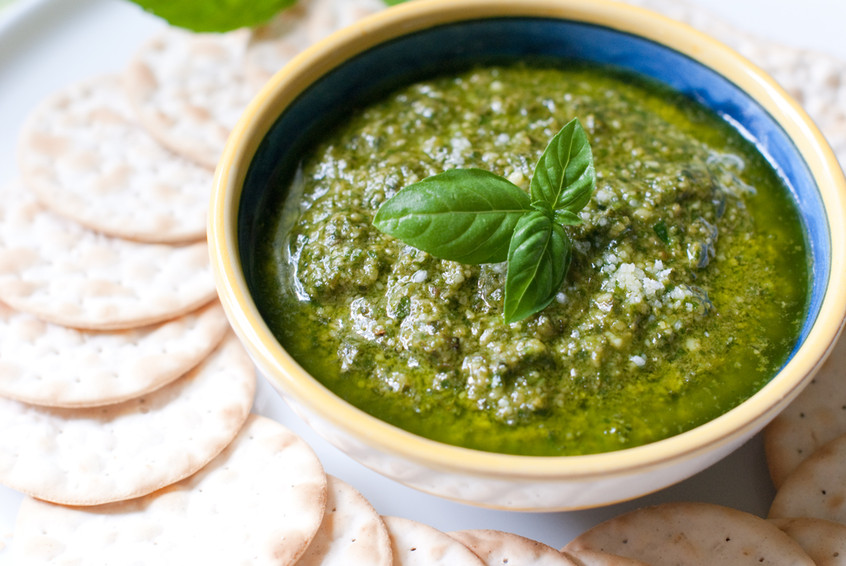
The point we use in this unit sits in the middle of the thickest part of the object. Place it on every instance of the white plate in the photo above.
(45, 44)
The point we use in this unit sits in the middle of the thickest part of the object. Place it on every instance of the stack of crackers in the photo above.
(126, 402)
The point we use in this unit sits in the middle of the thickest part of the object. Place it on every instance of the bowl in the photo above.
(397, 45)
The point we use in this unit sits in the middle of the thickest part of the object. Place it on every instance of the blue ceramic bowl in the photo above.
(425, 37)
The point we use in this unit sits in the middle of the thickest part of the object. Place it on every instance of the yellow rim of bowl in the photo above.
(422, 14)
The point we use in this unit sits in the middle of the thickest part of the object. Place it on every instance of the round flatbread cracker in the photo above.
(816, 488)
(189, 90)
(48, 364)
(824, 541)
(496, 548)
(64, 273)
(352, 532)
(595, 558)
(86, 158)
(815, 417)
(416, 544)
(117, 452)
(294, 29)
(692, 533)
(259, 502)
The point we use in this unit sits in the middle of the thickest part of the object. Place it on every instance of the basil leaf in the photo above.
(215, 15)
(567, 218)
(464, 215)
(538, 259)
(564, 175)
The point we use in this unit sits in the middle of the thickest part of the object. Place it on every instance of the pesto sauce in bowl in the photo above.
(685, 295)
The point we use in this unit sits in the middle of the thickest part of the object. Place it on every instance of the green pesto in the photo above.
(687, 288)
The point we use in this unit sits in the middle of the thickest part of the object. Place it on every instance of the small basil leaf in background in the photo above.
(567, 218)
(564, 175)
(215, 15)
(394, 2)
(464, 215)
(661, 231)
(538, 259)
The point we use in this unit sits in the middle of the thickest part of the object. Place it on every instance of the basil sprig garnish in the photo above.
(474, 216)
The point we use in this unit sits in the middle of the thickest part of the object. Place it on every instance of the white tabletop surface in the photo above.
(45, 44)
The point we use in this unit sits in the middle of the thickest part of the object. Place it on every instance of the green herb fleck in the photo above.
(661, 231)
(474, 216)
(403, 308)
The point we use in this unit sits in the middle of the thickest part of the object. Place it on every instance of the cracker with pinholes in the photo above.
(189, 90)
(816, 488)
(498, 547)
(259, 502)
(418, 544)
(294, 29)
(824, 541)
(116, 452)
(692, 533)
(815, 417)
(62, 272)
(585, 557)
(86, 158)
(352, 532)
(53, 365)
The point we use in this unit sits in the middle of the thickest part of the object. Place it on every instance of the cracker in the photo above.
(352, 532)
(260, 502)
(116, 452)
(816, 488)
(498, 547)
(824, 541)
(272, 45)
(692, 533)
(596, 558)
(189, 90)
(815, 417)
(64, 273)
(417, 544)
(86, 158)
(48, 364)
